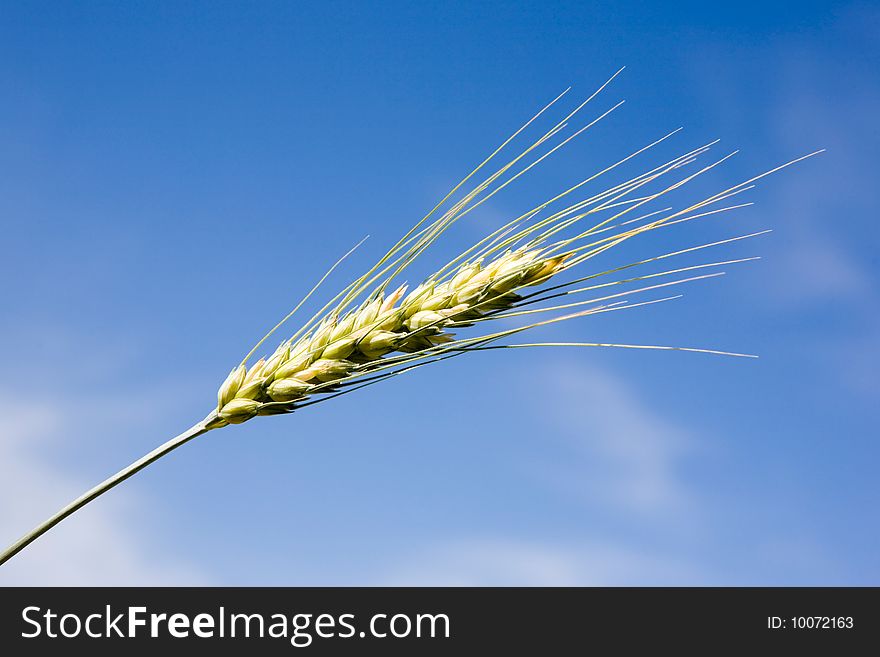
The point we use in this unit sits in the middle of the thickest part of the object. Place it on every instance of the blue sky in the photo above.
(174, 175)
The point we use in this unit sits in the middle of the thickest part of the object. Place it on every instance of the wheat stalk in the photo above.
(372, 330)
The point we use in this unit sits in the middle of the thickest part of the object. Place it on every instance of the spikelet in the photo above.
(382, 326)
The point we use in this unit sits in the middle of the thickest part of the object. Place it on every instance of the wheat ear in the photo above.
(373, 329)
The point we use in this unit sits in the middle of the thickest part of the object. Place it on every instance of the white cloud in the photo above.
(823, 210)
(620, 457)
(618, 454)
(99, 545)
(819, 214)
(828, 211)
(624, 454)
(509, 562)
(821, 269)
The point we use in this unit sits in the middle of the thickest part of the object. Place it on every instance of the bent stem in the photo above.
(210, 422)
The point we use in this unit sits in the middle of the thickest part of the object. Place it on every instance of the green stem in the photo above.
(196, 430)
